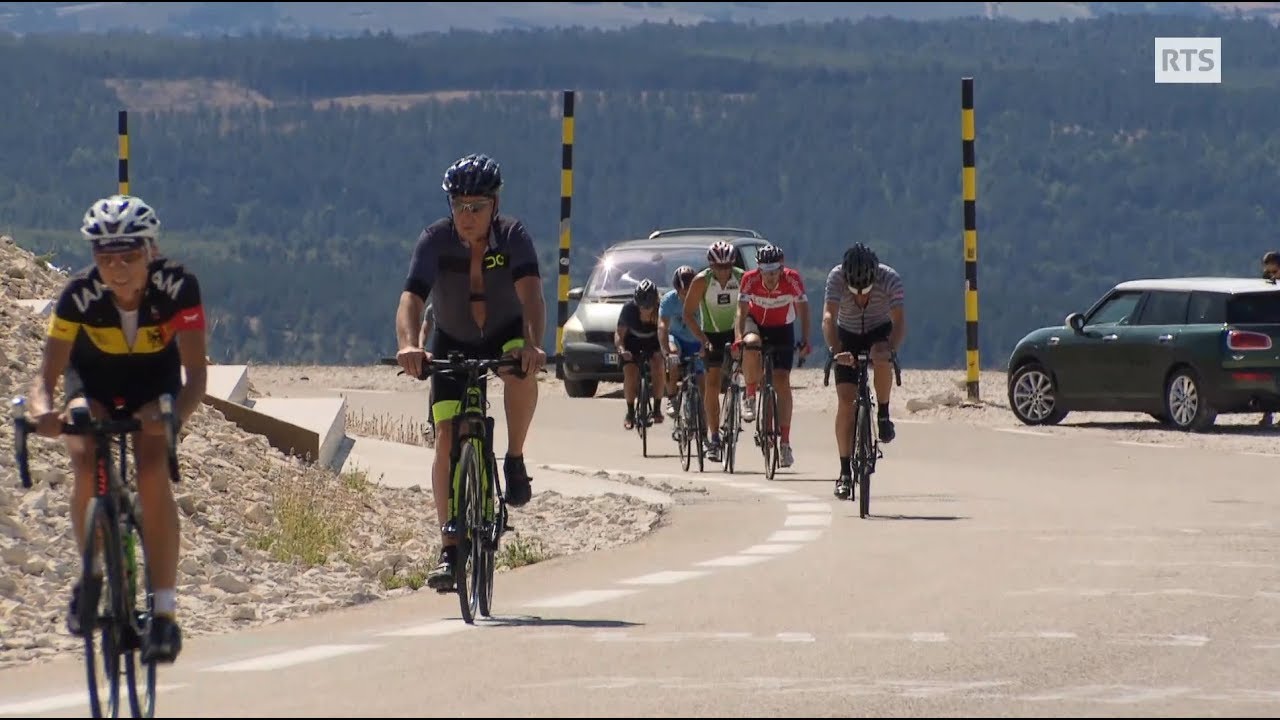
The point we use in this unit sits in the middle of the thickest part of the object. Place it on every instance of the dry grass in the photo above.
(312, 515)
(387, 427)
(519, 551)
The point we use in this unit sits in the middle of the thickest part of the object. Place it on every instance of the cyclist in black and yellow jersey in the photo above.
(123, 330)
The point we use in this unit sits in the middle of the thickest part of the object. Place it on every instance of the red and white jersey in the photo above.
(776, 307)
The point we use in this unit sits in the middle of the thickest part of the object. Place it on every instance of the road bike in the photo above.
(645, 404)
(477, 503)
(113, 528)
(690, 422)
(866, 443)
(768, 417)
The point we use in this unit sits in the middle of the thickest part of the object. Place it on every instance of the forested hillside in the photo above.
(300, 213)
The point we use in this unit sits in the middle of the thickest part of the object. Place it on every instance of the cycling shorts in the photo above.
(876, 340)
(126, 393)
(688, 348)
(446, 390)
(784, 357)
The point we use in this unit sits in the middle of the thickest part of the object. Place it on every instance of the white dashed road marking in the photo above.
(275, 661)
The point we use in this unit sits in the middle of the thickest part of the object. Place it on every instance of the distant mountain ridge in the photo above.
(349, 18)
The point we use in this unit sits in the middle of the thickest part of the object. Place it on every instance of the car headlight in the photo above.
(573, 332)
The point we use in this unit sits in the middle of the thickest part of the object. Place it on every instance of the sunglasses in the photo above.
(475, 206)
(770, 267)
(860, 291)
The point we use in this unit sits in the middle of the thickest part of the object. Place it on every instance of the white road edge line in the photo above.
(62, 701)
(275, 661)
(664, 577)
(580, 598)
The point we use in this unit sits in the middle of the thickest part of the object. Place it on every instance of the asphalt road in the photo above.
(1003, 574)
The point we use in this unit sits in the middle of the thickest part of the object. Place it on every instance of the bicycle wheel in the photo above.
(466, 566)
(730, 439)
(863, 459)
(142, 700)
(101, 595)
(684, 435)
(699, 428)
(642, 415)
(768, 417)
(488, 545)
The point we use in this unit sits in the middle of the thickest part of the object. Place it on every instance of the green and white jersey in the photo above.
(720, 302)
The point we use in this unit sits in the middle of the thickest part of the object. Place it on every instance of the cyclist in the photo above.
(770, 300)
(637, 339)
(863, 310)
(123, 330)
(424, 336)
(674, 334)
(714, 292)
(487, 303)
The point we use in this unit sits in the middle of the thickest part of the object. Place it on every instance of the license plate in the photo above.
(611, 358)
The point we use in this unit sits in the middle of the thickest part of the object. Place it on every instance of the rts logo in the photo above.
(1188, 60)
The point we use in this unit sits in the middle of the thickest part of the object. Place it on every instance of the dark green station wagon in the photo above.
(1184, 350)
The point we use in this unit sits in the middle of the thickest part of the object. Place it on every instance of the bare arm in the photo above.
(899, 331)
(664, 340)
(802, 307)
(192, 351)
(740, 316)
(830, 332)
(407, 316)
(692, 299)
(619, 336)
(57, 355)
(529, 290)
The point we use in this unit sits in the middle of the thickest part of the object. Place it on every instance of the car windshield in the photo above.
(618, 272)
(1254, 308)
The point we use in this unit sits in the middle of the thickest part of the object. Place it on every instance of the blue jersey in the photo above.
(672, 309)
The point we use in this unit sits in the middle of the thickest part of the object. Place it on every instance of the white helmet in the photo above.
(120, 220)
(720, 253)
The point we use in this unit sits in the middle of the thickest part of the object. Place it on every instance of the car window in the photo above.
(1254, 308)
(1207, 308)
(745, 257)
(1164, 307)
(1116, 310)
(619, 271)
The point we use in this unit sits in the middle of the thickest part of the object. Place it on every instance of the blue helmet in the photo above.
(473, 175)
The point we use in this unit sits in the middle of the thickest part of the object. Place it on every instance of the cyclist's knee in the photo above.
(846, 393)
(153, 463)
(880, 356)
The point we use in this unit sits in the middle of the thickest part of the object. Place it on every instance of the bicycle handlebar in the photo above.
(456, 362)
(831, 361)
(83, 424)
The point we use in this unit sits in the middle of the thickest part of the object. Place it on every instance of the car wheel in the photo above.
(1033, 396)
(1185, 404)
(580, 388)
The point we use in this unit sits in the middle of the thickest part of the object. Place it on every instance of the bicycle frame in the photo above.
(479, 531)
(690, 418)
(865, 449)
(766, 395)
(112, 527)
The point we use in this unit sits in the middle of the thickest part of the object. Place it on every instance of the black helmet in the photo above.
(473, 175)
(769, 254)
(646, 293)
(860, 266)
(682, 277)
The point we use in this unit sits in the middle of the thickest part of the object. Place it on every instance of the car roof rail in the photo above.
(705, 231)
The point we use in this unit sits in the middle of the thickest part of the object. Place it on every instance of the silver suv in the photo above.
(589, 351)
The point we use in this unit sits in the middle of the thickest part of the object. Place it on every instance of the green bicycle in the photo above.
(476, 498)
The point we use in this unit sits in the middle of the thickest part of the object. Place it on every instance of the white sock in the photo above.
(96, 567)
(166, 602)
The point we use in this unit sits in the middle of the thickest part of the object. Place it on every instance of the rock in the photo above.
(229, 584)
(915, 405)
